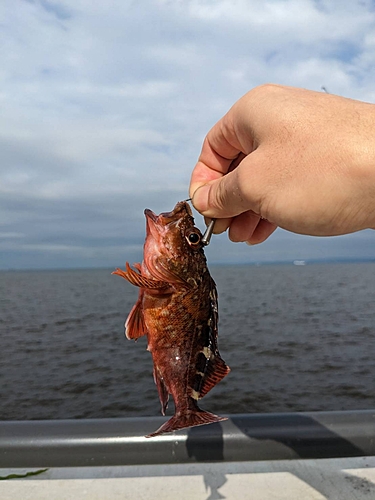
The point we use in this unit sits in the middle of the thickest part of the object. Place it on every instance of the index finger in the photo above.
(220, 149)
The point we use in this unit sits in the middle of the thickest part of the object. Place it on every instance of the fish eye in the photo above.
(193, 238)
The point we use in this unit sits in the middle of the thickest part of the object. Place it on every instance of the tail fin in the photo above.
(189, 418)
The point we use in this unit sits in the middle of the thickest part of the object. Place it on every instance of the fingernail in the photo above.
(200, 198)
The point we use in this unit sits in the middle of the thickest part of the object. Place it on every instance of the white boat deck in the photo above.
(323, 479)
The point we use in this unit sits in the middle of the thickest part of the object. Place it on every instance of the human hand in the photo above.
(288, 157)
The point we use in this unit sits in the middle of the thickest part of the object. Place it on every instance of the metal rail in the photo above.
(107, 442)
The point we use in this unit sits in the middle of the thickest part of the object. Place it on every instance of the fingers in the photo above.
(221, 152)
(230, 195)
(263, 230)
(234, 202)
(202, 174)
(247, 227)
(243, 226)
(221, 225)
(251, 228)
(221, 188)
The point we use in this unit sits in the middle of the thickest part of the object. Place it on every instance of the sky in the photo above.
(104, 107)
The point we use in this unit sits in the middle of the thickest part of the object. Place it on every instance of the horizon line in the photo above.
(295, 262)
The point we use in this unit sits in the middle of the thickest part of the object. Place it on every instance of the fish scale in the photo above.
(177, 311)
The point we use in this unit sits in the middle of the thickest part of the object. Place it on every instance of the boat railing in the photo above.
(247, 437)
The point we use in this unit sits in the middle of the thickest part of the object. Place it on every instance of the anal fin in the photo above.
(162, 390)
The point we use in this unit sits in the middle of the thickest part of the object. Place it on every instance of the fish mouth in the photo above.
(152, 226)
(157, 222)
(151, 215)
(164, 233)
(182, 207)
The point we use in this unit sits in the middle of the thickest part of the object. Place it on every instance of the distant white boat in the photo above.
(299, 262)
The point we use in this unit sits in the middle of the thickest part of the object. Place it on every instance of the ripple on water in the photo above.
(296, 339)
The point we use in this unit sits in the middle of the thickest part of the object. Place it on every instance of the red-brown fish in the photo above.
(177, 310)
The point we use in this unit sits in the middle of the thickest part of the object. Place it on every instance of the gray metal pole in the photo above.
(64, 443)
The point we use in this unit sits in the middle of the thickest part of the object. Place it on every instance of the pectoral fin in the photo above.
(135, 325)
(136, 279)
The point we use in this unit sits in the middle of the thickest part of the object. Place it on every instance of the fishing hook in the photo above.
(208, 233)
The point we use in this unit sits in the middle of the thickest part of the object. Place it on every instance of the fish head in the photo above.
(173, 249)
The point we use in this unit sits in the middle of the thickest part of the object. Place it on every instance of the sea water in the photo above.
(297, 338)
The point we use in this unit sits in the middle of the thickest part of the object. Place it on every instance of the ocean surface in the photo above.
(297, 338)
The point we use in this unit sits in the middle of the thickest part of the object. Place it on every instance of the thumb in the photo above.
(224, 197)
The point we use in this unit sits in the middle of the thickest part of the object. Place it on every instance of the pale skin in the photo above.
(288, 157)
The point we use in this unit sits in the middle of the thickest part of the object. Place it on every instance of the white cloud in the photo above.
(104, 105)
(10, 235)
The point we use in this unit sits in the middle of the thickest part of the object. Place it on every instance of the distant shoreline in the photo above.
(294, 262)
